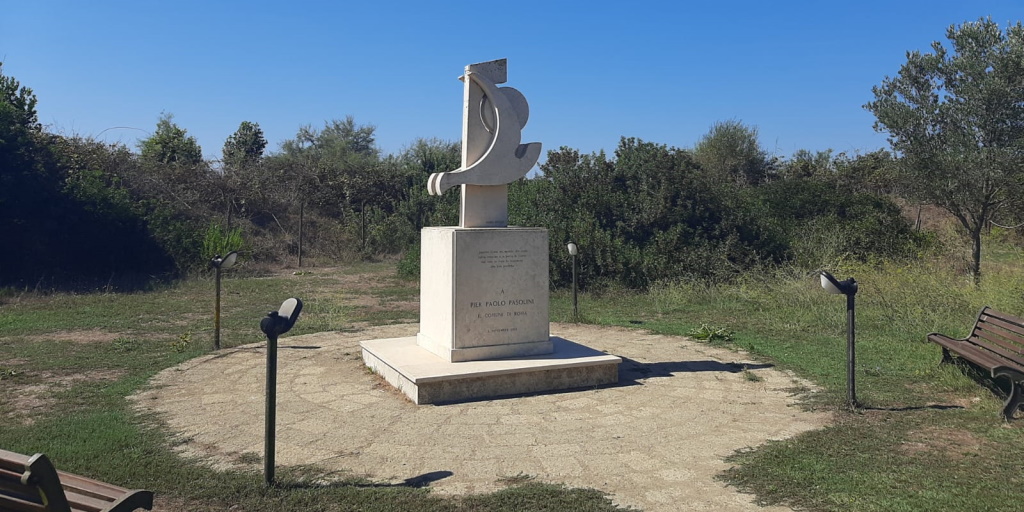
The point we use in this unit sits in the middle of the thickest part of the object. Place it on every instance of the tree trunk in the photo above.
(976, 254)
(362, 227)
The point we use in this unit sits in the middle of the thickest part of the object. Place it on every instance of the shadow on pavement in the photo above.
(632, 371)
(417, 481)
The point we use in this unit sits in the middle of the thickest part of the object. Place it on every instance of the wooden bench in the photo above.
(32, 484)
(996, 344)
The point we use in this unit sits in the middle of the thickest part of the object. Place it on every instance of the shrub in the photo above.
(218, 241)
(822, 223)
(409, 264)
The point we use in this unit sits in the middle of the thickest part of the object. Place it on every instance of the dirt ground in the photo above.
(654, 441)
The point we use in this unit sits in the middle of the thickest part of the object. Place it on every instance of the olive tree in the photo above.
(955, 118)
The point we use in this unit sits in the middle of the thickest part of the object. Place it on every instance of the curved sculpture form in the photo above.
(505, 160)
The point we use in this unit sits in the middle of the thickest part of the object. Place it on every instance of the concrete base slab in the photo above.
(427, 379)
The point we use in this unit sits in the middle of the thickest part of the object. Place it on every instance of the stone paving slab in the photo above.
(655, 441)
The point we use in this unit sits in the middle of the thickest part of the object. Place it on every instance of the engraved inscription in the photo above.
(507, 258)
(501, 303)
(504, 329)
(501, 309)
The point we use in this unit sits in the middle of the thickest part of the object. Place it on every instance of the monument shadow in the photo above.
(633, 372)
(630, 371)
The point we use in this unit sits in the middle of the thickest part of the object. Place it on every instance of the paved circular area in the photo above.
(655, 441)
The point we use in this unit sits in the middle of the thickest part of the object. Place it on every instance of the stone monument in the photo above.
(484, 328)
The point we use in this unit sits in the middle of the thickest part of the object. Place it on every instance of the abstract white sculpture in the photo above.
(492, 156)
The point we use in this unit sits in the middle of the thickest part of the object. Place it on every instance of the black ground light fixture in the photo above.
(573, 251)
(219, 264)
(848, 288)
(273, 325)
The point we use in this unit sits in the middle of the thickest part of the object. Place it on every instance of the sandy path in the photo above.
(655, 442)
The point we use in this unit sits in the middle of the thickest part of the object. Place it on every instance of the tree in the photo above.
(869, 172)
(731, 150)
(955, 118)
(806, 164)
(30, 196)
(180, 189)
(19, 134)
(335, 167)
(242, 181)
(173, 168)
(17, 104)
(245, 147)
(170, 144)
(418, 162)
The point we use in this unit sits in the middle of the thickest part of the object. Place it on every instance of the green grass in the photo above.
(77, 356)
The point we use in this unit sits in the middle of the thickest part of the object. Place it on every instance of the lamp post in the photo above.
(573, 251)
(848, 288)
(220, 264)
(273, 325)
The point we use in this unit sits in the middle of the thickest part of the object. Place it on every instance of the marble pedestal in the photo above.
(427, 379)
(484, 325)
(484, 293)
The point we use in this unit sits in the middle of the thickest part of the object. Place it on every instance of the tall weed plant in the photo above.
(218, 241)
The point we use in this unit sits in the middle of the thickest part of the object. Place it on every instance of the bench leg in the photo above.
(947, 358)
(1014, 401)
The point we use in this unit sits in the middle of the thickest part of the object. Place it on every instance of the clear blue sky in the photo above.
(592, 71)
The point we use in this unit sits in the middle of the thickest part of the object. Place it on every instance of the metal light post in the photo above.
(220, 264)
(273, 325)
(302, 209)
(848, 288)
(573, 250)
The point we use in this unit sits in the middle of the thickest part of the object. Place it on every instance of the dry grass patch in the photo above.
(30, 395)
(949, 442)
(77, 336)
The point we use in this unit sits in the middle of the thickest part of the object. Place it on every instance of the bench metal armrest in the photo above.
(134, 500)
(1008, 372)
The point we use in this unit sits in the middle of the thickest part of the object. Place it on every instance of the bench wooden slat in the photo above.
(6, 474)
(86, 503)
(1006, 356)
(1008, 322)
(89, 487)
(979, 356)
(997, 332)
(23, 497)
(1003, 329)
(12, 461)
(1016, 320)
(132, 500)
(116, 498)
(14, 487)
(16, 505)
